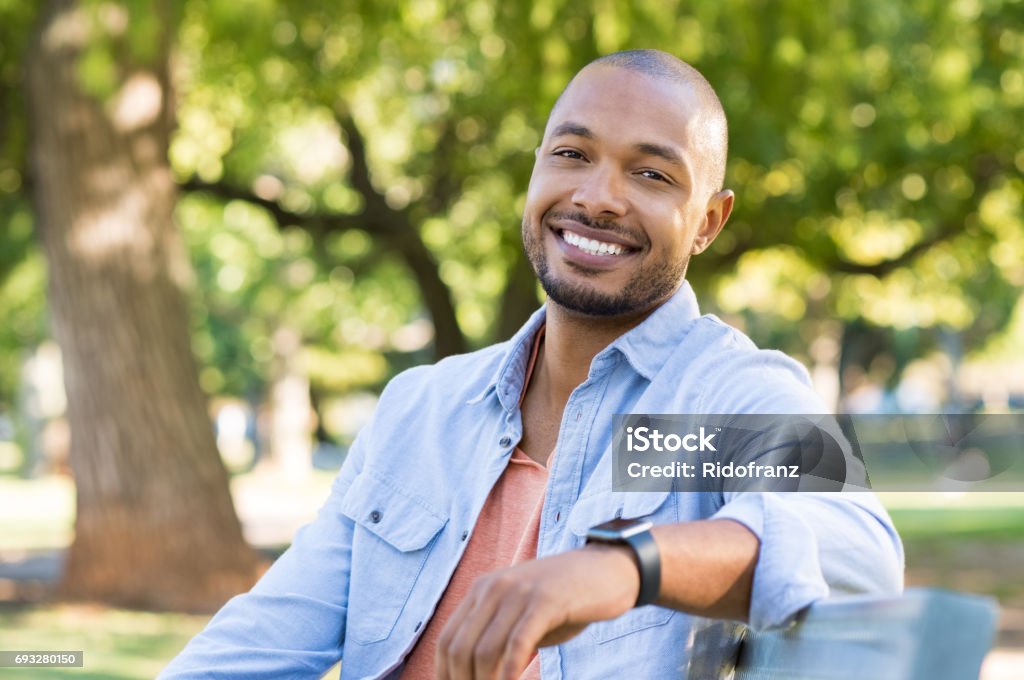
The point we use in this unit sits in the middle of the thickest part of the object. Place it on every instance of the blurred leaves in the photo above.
(876, 154)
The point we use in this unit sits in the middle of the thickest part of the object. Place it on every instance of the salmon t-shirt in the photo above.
(505, 534)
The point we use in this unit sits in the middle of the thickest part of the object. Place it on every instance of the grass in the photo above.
(950, 524)
(972, 542)
(957, 516)
(117, 644)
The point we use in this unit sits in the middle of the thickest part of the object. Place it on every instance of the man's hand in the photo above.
(509, 613)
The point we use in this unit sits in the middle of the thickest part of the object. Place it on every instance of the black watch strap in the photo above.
(649, 560)
(636, 535)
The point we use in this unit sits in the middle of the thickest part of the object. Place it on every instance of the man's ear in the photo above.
(717, 214)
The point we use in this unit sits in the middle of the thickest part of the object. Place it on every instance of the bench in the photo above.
(925, 634)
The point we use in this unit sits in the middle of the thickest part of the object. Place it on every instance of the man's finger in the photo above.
(523, 639)
(449, 631)
(454, 656)
(491, 646)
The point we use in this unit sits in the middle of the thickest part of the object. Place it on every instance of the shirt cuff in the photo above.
(788, 575)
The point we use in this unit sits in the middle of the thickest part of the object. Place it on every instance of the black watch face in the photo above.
(618, 529)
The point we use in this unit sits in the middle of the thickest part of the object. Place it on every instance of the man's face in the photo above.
(616, 199)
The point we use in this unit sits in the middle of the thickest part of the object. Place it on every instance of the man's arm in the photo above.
(707, 569)
(762, 559)
(292, 623)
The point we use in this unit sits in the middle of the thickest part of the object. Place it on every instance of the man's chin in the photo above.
(587, 301)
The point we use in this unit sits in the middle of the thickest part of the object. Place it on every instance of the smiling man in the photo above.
(473, 531)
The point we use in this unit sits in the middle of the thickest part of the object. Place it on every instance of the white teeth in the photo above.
(591, 246)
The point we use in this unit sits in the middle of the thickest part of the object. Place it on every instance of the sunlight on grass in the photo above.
(116, 643)
(956, 516)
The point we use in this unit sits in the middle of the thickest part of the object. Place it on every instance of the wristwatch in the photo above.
(637, 535)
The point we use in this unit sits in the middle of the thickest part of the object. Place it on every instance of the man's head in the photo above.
(627, 184)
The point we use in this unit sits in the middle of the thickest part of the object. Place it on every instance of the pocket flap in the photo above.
(601, 507)
(399, 517)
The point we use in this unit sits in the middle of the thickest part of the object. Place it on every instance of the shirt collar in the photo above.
(645, 347)
(508, 376)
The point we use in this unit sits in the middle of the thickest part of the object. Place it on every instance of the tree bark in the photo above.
(155, 526)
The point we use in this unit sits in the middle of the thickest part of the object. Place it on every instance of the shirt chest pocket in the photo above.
(660, 508)
(395, 532)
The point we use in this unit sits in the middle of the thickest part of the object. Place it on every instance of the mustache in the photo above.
(610, 226)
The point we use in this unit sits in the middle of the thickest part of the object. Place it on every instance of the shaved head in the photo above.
(713, 140)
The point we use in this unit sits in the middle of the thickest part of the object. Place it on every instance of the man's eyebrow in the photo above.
(665, 153)
(574, 129)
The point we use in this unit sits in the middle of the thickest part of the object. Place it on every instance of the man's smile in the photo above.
(588, 246)
(591, 246)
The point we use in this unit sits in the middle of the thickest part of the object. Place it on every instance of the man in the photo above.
(454, 542)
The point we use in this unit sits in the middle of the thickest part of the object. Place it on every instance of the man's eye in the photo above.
(654, 174)
(568, 153)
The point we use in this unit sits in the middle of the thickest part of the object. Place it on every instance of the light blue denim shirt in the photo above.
(360, 582)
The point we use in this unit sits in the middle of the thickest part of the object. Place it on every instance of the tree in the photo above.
(154, 526)
(865, 146)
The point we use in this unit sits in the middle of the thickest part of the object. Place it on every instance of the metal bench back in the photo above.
(926, 634)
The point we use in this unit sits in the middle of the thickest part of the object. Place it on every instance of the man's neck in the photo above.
(569, 345)
(571, 341)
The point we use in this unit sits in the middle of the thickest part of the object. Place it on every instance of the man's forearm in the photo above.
(707, 567)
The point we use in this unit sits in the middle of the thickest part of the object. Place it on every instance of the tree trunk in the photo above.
(155, 526)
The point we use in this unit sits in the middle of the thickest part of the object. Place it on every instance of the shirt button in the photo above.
(505, 441)
(375, 516)
(418, 624)
(464, 535)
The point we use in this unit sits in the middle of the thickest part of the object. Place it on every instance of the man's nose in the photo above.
(601, 192)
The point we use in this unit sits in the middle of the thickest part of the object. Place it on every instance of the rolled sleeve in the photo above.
(815, 546)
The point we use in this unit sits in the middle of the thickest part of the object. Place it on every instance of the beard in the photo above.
(652, 283)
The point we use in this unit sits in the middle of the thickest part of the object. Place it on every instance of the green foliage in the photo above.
(875, 154)
(252, 279)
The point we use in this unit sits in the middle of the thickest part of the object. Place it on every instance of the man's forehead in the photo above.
(627, 95)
